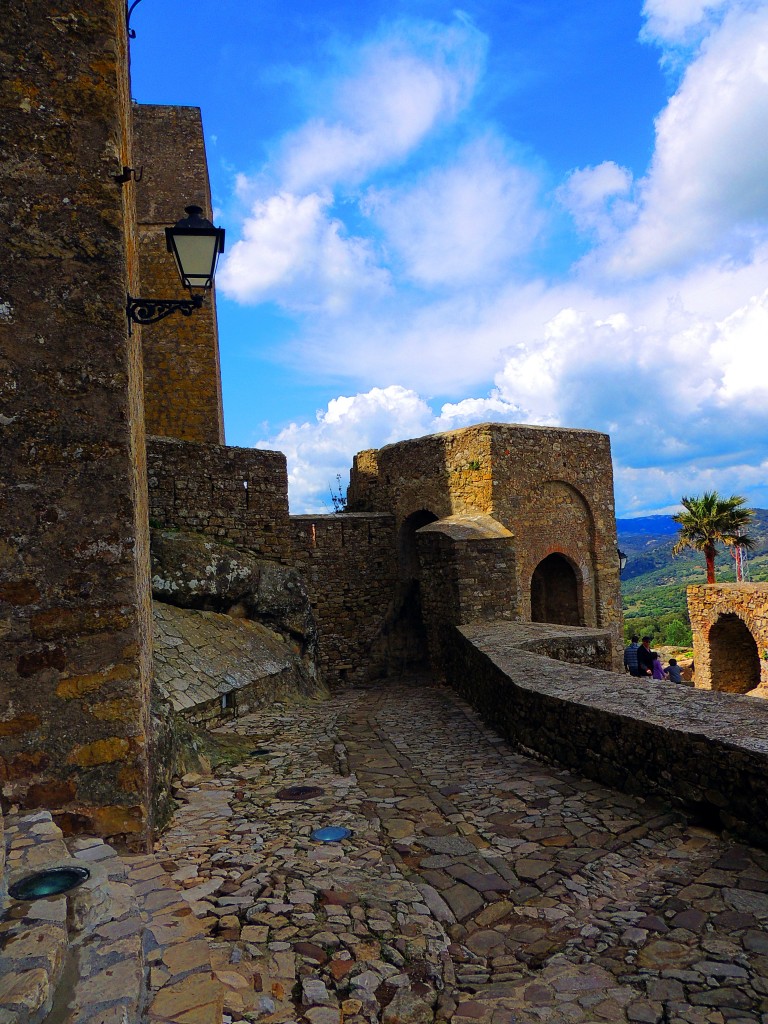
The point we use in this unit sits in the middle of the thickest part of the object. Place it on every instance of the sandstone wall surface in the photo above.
(705, 751)
(349, 567)
(554, 490)
(238, 495)
(444, 474)
(182, 378)
(75, 646)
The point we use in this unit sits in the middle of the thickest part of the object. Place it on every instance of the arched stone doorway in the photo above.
(555, 593)
(734, 658)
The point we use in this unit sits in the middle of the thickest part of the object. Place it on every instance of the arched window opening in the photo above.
(555, 592)
(734, 658)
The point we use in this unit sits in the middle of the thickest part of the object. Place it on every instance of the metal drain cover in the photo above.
(330, 834)
(300, 793)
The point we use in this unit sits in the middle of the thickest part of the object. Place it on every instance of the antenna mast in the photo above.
(739, 555)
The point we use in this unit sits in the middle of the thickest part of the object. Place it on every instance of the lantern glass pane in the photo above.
(196, 256)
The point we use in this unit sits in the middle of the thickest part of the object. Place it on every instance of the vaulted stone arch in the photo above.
(730, 637)
(734, 661)
(557, 592)
(556, 555)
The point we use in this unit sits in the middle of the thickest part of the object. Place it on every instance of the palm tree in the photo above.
(711, 520)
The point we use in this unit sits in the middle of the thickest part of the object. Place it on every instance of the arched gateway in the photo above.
(730, 636)
(734, 661)
(555, 595)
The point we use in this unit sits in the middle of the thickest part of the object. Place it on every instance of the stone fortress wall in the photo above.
(385, 582)
(495, 523)
(236, 495)
(75, 650)
(79, 390)
(704, 752)
(349, 566)
(548, 497)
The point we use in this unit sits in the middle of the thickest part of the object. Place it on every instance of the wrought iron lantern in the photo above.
(622, 561)
(196, 246)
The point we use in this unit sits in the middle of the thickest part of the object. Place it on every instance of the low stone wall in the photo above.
(238, 495)
(349, 567)
(705, 751)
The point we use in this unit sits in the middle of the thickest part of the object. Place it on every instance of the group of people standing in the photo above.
(640, 660)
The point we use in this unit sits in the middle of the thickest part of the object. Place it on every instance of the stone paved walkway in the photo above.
(478, 886)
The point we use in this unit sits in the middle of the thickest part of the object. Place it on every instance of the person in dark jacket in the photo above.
(645, 657)
(630, 656)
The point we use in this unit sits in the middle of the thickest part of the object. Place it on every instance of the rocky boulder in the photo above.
(193, 571)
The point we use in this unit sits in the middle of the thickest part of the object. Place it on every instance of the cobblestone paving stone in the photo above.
(478, 886)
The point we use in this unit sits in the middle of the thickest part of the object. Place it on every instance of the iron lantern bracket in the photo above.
(149, 311)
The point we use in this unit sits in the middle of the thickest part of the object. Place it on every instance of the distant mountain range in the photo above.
(654, 583)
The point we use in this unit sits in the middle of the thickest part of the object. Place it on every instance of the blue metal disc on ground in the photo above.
(48, 883)
(330, 834)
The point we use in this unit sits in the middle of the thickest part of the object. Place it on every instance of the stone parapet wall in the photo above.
(730, 636)
(705, 751)
(201, 488)
(349, 566)
(75, 635)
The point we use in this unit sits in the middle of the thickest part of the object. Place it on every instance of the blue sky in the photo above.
(539, 212)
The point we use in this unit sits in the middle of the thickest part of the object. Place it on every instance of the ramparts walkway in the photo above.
(478, 886)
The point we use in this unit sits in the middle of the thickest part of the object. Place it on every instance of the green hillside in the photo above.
(654, 583)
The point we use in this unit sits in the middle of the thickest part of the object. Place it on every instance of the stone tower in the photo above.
(75, 651)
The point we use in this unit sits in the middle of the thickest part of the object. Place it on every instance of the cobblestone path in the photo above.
(478, 886)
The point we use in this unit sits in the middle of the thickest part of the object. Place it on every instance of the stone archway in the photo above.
(734, 658)
(555, 592)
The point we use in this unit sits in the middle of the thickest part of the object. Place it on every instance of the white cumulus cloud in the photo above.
(413, 78)
(678, 21)
(463, 221)
(316, 451)
(596, 198)
(706, 191)
(294, 251)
